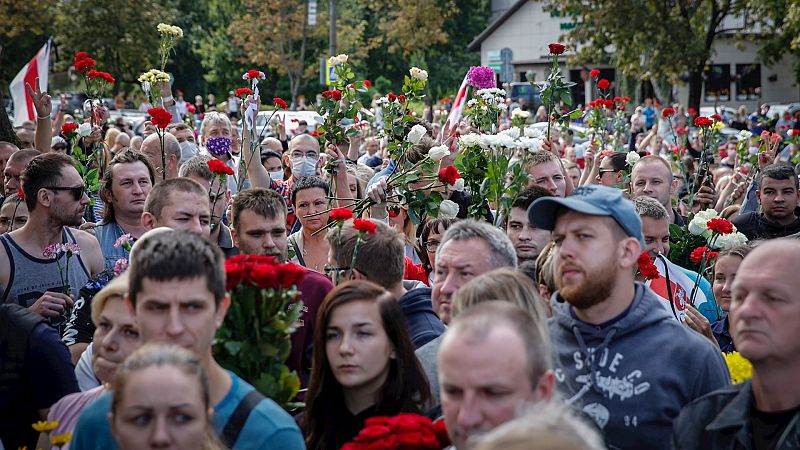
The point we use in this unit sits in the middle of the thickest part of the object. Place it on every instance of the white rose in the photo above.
(448, 209)
(418, 74)
(513, 132)
(342, 58)
(459, 186)
(438, 152)
(520, 113)
(698, 226)
(416, 133)
(726, 241)
(469, 140)
(632, 158)
(84, 129)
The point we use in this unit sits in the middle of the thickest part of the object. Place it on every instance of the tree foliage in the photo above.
(122, 39)
(26, 26)
(647, 39)
(779, 22)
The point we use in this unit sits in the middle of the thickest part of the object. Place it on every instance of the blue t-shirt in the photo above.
(267, 427)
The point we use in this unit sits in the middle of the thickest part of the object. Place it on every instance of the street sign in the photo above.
(312, 12)
(493, 60)
(330, 73)
(506, 68)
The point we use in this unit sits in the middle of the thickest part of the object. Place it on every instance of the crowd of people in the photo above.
(535, 330)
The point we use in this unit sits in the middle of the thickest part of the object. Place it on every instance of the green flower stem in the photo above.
(222, 181)
(703, 264)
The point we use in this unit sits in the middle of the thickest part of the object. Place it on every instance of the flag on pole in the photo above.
(680, 288)
(458, 105)
(37, 67)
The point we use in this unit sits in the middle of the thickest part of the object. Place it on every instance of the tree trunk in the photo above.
(6, 127)
(695, 87)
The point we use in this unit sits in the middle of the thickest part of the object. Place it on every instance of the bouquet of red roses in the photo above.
(401, 432)
(254, 341)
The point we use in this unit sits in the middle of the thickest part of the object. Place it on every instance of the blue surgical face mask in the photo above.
(188, 151)
(304, 166)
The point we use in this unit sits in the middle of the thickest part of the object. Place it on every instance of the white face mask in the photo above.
(276, 175)
(304, 166)
(188, 150)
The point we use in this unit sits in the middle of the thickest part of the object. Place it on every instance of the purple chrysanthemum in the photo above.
(481, 77)
(219, 146)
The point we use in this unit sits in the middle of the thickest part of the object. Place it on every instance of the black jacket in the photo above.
(721, 420)
(755, 226)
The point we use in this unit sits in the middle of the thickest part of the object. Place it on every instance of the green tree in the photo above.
(779, 35)
(647, 39)
(122, 36)
(26, 27)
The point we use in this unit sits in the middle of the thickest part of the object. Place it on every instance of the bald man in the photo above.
(151, 147)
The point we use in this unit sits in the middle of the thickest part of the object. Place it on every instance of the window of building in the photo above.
(717, 83)
(748, 81)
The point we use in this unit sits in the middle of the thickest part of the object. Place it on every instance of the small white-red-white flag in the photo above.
(37, 67)
(458, 105)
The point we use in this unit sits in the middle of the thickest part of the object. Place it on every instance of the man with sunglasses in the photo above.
(56, 198)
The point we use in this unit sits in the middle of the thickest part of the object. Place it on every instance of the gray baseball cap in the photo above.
(594, 200)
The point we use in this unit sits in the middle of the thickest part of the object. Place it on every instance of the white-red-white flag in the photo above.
(37, 67)
(679, 286)
(458, 105)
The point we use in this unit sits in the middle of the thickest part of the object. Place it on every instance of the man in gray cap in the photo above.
(620, 356)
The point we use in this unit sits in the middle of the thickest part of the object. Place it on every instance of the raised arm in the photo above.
(44, 125)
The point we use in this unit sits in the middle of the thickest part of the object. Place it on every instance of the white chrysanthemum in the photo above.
(471, 103)
(513, 132)
(154, 77)
(469, 140)
(726, 241)
(505, 140)
(520, 113)
(533, 132)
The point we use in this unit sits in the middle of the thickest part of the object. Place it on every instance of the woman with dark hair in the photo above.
(725, 268)
(363, 365)
(429, 239)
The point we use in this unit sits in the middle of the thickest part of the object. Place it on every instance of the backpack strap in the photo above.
(297, 252)
(230, 433)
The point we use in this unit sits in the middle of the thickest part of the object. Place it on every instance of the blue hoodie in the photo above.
(423, 323)
(648, 367)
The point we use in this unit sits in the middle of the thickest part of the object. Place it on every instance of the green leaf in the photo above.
(233, 347)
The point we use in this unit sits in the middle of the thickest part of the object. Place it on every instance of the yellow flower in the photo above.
(740, 368)
(44, 426)
(718, 126)
(61, 439)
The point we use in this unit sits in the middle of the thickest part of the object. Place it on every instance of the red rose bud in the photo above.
(716, 117)
(367, 83)
(391, 97)
(336, 94)
(603, 83)
(449, 175)
(594, 73)
(277, 101)
(401, 97)
(341, 214)
(556, 49)
(667, 112)
(365, 226)
(243, 92)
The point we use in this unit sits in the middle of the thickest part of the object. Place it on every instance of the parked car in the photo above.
(530, 93)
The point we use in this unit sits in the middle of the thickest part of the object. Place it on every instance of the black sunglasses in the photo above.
(77, 191)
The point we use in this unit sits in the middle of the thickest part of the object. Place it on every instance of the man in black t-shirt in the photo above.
(762, 413)
(778, 197)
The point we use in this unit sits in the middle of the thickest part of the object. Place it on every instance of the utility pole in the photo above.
(332, 34)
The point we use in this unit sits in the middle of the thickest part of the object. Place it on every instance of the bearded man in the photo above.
(620, 356)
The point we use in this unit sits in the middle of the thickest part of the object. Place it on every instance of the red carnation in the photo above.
(314, 133)
(218, 167)
(556, 49)
(159, 117)
(80, 55)
(20, 194)
(608, 104)
(701, 122)
(365, 226)
(625, 98)
(692, 111)
(721, 226)
(699, 253)
(716, 117)
(243, 92)
(617, 99)
(341, 214)
(594, 73)
(646, 267)
(603, 83)
(391, 97)
(191, 109)
(277, 101)
(68, 128)
(367, 83)
(667, 112)
(681, 130)
(84, 64)
(104, 75)
(449, 175)
(253, 74)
